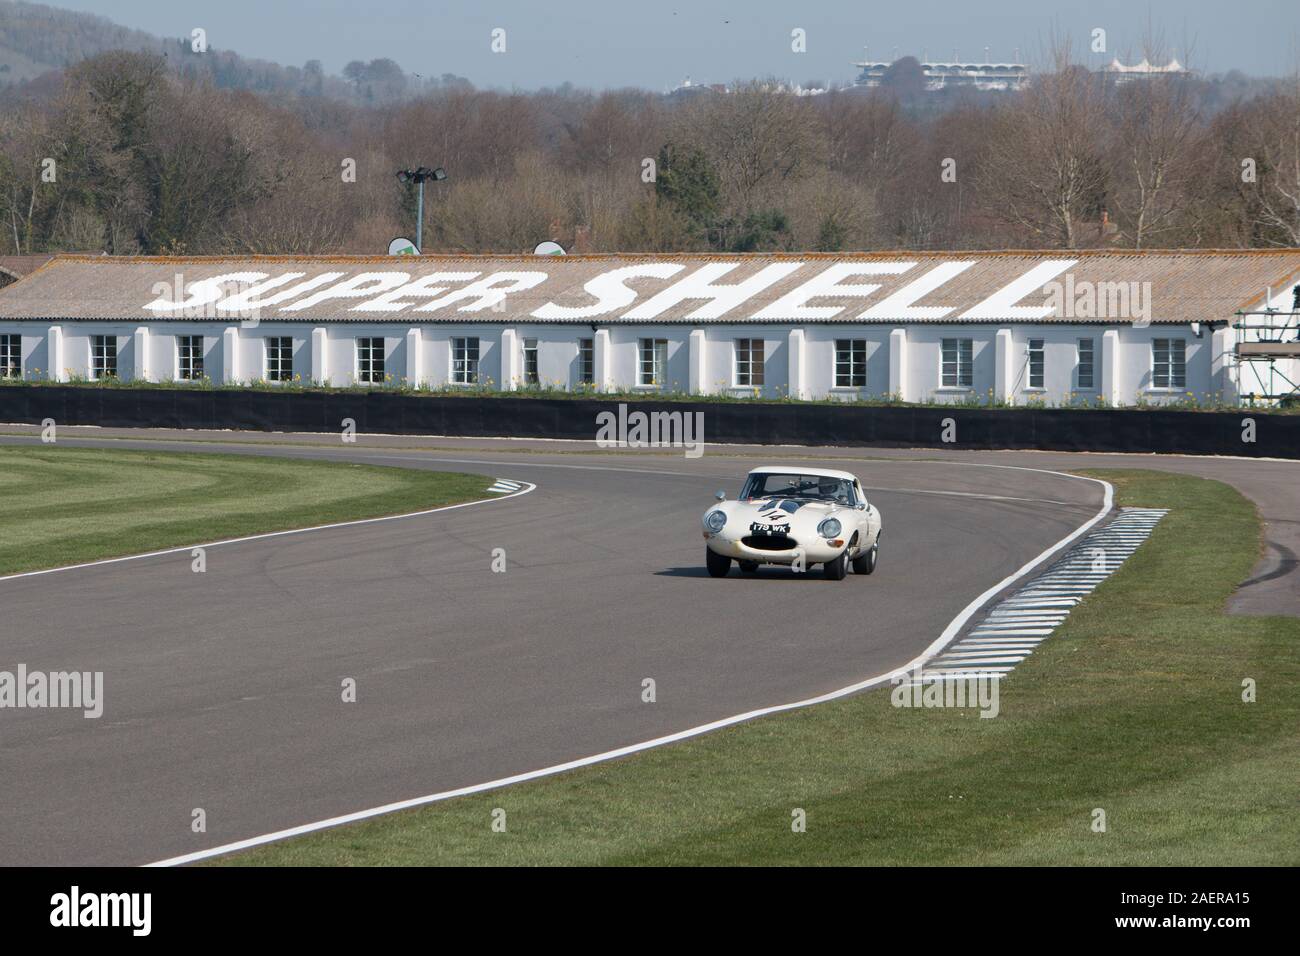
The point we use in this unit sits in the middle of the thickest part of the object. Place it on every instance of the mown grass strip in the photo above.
(61, 506)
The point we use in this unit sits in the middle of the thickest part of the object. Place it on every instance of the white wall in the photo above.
(923, 363)
(1135, 382)
(559, 366)
(819, 360)
(625, 351)
(557, 351)
(251, 362)
(720, 359)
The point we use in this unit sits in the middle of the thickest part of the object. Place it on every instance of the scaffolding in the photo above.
(1266, 356)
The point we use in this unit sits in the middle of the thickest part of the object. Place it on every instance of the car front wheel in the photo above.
(718, 564)
(865, 563)
(836, 568)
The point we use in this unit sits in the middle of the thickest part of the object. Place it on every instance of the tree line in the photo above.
(124, 154)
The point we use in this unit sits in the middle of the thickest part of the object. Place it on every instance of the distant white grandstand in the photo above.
(1138, 71)
(997, 77)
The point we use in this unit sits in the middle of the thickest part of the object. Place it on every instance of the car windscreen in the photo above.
(795, 485)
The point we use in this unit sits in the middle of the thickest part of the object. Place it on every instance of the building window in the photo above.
(1168, 363)
(103, 356)
(956, 370)
(850, 363)
(587, 361)
(279, 358)
(530, 362)
(749, 363)
(464, 361)
(11, 356)
(1035, 363)
(654, 362)
(1085, 379)
(189, 357)
(370, 360)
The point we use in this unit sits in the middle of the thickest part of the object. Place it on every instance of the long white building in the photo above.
(1057, 328)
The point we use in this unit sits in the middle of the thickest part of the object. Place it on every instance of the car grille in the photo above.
(769, 542)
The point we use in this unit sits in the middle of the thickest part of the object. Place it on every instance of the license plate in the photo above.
(759, 528)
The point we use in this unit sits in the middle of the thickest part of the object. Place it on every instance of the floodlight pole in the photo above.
(419, 217)
(418, 176)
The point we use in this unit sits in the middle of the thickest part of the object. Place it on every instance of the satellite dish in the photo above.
(549, 248)
(402, 247)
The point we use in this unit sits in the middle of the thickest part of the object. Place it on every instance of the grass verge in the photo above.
(61, 506)
(1133, 706)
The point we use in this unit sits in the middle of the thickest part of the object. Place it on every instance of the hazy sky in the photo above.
(656, 44)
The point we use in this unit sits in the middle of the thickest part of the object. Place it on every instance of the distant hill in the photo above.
(36, 39)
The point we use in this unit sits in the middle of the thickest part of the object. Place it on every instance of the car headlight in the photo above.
(715, 521)
(829, 528)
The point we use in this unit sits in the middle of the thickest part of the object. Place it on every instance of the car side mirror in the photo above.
(721, 496)
(864, 506)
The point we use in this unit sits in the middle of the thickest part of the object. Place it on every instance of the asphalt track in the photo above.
(223, 689)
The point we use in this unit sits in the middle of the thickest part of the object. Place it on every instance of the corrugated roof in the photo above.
(1167, 286)
(13, 268)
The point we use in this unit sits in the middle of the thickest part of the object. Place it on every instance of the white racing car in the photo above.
(794, 516)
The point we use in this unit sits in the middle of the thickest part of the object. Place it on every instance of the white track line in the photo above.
(952, 630)
(271, 534)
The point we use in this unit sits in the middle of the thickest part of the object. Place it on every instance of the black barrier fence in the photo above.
(1247, 432)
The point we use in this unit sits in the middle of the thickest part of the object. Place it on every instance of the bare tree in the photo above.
(507, 214)
(1042, 168)
(761, 138)
(829, 213)
(25, 142)
(1155, 126)
(1274, 128)
(654, 225)
(1151, 146)
(610, 135)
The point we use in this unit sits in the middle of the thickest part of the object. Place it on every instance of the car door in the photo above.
(868, 520)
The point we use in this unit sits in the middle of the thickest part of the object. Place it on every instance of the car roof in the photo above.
(802, 470)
